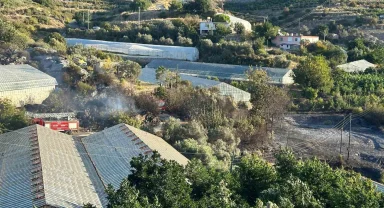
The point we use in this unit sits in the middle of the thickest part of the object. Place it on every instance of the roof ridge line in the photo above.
(37, 179)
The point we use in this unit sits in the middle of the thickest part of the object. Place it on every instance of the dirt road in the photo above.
(310, 135)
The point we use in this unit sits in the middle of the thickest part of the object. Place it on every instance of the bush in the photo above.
(310, 93)
(221, 18)
(143, 4)
(84, 88)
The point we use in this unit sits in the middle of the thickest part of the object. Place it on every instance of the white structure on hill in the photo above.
(208, 25)
(45, 168)
(23, 84)
(140, 50)
(149, 75)
(356, 66)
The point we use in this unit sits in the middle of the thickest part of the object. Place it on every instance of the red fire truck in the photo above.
(64, 122)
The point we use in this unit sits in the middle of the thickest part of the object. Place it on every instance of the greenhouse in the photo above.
(24, 84)
(221, 71)
(233, 20)
(140, 50)
(149, 75)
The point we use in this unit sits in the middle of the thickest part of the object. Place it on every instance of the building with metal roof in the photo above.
(140, 50)
(149, 75)
(111, 151)
(222, 71)
(24, 84)
(45, 168)
(356, 66)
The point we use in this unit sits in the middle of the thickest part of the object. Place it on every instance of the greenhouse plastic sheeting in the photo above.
(140, 50)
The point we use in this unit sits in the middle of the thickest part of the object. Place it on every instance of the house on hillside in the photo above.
(41, 167)
(356, 66)
(293, 41)
(24, 84)
(209, 26)
(280, 76)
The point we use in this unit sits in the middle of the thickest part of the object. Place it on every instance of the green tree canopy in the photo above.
(143, 4)
(221, 18)
(253, 182)
(11, 118)
(128, 70)
(314, 72)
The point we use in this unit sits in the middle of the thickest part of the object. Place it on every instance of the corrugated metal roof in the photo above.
(121, 143)
(39, 162)
(356, 66)
(65, 172)
(140, 50)
(15, 170)
(18, 77)
(222, 71)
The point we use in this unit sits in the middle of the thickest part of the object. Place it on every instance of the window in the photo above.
(296, 39)
(289, 39)
(281, 39)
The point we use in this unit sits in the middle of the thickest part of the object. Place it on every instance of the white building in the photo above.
(24, 84)
(293, 41)
(208, 25)
(139, 50)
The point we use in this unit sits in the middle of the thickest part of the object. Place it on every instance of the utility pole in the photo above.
(139, 17)
(341, 138)
(88, 19)
(349, 139)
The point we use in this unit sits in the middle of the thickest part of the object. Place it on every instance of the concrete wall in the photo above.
(27, 96)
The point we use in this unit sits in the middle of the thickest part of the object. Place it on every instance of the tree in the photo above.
(201, 6)
(11, 118)
(9, 34)
(376, 56)
(323, 30)
(143, 4)
(314, 72)
(128, 70)
(221, 18)
(267, 30)
(176, 5)
(166, 77)
(160, 180)
(239, 28)
(254, 176)
(222, 30)
(120, 117)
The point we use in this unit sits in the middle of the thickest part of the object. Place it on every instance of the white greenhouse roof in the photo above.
(41, 167)
(140, 50)
(18, 77)
(149, 75)
(356, 66)
(234, 20)
(221, 71)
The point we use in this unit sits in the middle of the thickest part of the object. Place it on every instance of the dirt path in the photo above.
(314, 135)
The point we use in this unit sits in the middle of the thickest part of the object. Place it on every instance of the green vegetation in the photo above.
(253, 182)
(11, 118)
(221, 18)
